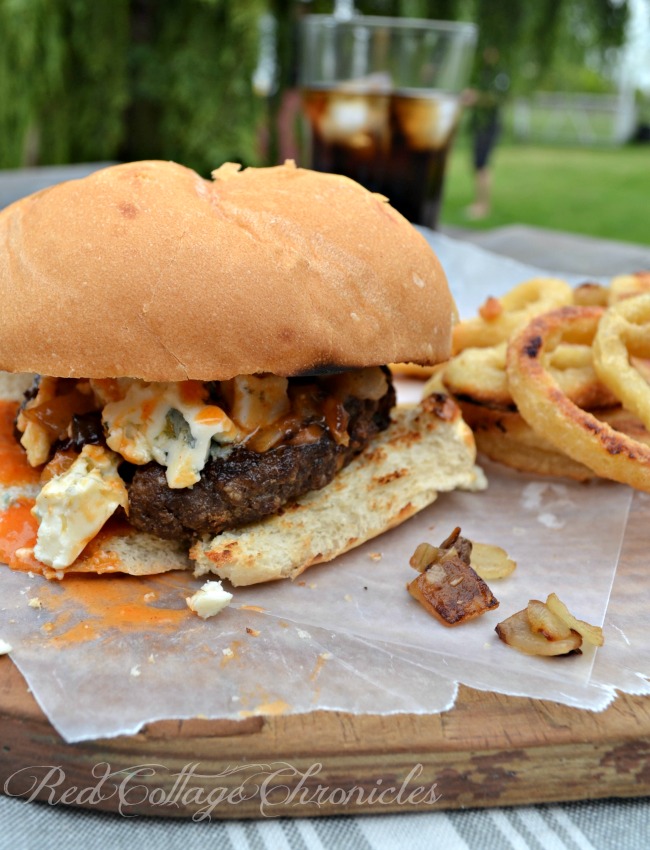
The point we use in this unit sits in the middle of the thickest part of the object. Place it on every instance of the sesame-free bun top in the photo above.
(147, 270)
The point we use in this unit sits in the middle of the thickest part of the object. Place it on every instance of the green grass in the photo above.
(600, 192)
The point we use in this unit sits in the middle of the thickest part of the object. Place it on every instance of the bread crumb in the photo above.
(35, 602)
(135, 670)
(375, 556)
(5, 648)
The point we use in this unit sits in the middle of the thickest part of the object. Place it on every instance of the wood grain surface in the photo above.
(488, 750)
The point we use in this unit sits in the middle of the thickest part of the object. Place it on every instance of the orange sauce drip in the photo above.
(278, 706)
(97, 556)
(14, 468)
(17, 531)
(148, 408)
(192, 392)
(210, 415)
(107, 602)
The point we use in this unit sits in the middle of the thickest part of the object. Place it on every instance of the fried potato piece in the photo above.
(448, 587)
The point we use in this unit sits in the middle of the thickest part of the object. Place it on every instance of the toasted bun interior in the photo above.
(149, 271)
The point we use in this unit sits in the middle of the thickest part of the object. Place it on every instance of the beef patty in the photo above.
(246, 486)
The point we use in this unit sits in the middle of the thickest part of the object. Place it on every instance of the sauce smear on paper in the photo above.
(107, 602)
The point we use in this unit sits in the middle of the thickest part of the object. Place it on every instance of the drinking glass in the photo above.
(383, 100)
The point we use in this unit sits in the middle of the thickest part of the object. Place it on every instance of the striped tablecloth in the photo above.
(590, 825)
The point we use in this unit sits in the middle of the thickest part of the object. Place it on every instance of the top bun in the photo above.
(146, 270)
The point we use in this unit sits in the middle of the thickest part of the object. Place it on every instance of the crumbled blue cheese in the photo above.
(258, 400)
(209, 600)
(72, 507)
(170, 424)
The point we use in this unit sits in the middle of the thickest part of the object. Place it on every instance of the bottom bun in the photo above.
(134, 553)
(426, 450)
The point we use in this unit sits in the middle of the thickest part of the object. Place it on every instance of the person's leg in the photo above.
(483, 186)
(483, 144)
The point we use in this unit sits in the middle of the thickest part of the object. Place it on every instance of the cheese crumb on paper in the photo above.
(209, 600)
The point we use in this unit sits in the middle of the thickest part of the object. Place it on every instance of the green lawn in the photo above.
(601, 192)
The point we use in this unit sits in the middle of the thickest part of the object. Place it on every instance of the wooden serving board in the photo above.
(488, 750)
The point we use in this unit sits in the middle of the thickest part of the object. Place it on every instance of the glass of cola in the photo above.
(382, 98)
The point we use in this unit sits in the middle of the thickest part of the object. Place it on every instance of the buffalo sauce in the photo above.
(14, 466)
(17, 525)
(107, 602)
(18, 531)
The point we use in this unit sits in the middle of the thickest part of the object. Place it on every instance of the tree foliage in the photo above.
(191, 68)
(93, 80)
(88, 80)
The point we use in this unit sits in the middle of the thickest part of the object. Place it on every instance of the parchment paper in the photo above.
(347, 636)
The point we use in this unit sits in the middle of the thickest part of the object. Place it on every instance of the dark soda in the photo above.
(393, 143)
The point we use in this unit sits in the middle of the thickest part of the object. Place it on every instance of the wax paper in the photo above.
(105, 655)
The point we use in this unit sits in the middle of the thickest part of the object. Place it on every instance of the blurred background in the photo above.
(207, 81)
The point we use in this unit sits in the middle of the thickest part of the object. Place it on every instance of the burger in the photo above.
(209, 361)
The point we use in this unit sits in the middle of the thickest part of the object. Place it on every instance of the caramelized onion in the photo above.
(544, 621)
(56, 414)
(60, 463)
(592, 634)
(337, 419)
(516, 631)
